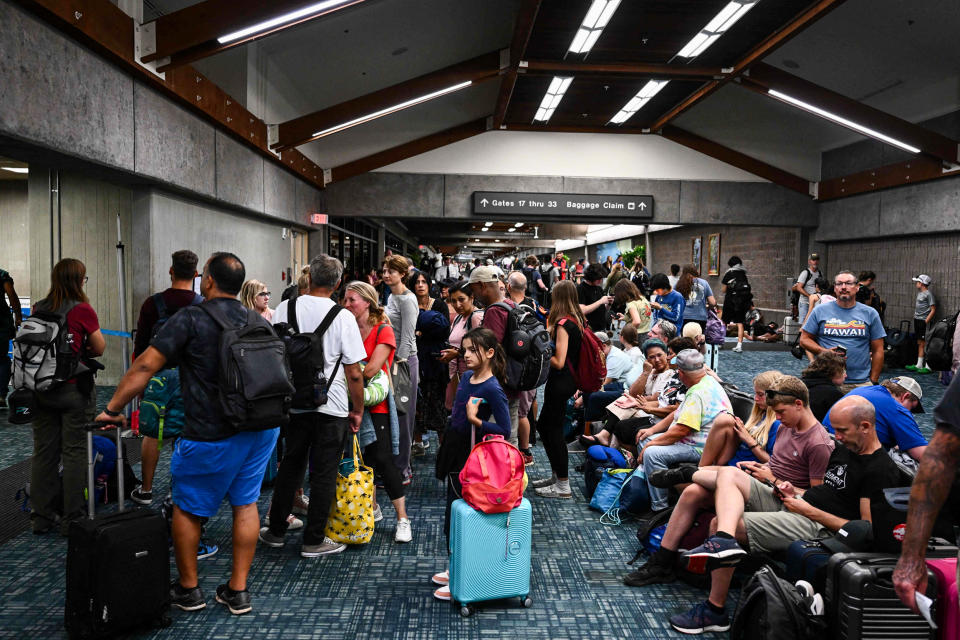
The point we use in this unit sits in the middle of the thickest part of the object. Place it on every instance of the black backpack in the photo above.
(162, 316)
(528, 273)
(770, 607)
(939, 351)
(256, 387)
(306, 358)
(527, 345)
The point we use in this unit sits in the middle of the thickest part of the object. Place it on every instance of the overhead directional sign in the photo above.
(562, 204)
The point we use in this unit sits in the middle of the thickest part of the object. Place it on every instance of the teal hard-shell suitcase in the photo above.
(489, 555)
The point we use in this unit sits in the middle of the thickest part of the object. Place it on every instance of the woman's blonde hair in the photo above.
(564, 303)
(376, 314)
(759, 422)
(249, 291)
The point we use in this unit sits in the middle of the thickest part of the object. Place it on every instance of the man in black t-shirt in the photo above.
(212, 461)
(593, 304)
(857, 472)
(938, 468)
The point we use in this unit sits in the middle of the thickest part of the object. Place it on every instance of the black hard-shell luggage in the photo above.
(862, 604)
(118, 566)
(807, 560)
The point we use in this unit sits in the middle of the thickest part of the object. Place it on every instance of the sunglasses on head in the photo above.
(771, 395)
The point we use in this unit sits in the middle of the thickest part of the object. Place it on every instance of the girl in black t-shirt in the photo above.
(565, 324)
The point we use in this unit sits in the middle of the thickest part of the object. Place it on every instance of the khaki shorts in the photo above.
(762, 498)
(775, 531)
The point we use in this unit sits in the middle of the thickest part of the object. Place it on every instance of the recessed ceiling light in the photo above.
(598, 15)
(637, 102)
(311, 10)
(721, 22)
(389, 110)
(850, 124)
(518, 225)
(16, 169)
(553, 96)
(487, 224)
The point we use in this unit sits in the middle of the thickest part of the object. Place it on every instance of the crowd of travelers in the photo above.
(407, 351)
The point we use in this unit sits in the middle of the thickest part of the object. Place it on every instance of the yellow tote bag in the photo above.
(351, 516)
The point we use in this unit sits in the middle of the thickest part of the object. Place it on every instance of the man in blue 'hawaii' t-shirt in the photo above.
(847, 325)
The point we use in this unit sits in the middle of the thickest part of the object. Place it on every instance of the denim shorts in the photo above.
(204, 473)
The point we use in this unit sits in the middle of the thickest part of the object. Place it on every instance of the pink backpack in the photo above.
(493, 478)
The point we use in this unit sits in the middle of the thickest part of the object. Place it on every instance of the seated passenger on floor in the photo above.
(857, 473)
(895, 401)
(800, 455)
(683, 439)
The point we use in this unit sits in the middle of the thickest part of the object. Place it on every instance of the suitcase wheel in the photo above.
(526, 601)
(466, 611)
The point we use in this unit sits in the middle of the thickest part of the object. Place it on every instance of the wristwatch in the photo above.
(112, 414)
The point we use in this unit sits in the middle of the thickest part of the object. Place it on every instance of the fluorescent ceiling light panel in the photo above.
(850, 124)
(16, 169)
(720, 23)
(518, 224)
(293, 16)
(389, 110)
(636, 103)
(593, 25)
(553, 96)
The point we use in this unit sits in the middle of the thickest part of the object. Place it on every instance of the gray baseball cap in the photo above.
(690, 360)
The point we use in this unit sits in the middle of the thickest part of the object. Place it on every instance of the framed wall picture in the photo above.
(697, 251)
(713, 254)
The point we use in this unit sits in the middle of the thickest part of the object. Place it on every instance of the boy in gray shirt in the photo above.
(922, 317)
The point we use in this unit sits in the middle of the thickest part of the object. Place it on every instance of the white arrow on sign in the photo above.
(642, 205)
(484, 202)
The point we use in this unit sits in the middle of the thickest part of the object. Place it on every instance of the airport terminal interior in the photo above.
(629, 141)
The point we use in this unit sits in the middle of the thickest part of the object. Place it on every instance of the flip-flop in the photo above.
(588, 441)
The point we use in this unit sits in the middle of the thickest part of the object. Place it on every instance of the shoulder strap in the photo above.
(197, 299)
(221, 320)
(328, 320)
(292, 313)
(161, 306)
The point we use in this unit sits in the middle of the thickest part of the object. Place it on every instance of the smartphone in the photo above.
(841, 350)
(775, 488)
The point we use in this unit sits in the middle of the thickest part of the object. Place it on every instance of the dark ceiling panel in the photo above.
(599, 99)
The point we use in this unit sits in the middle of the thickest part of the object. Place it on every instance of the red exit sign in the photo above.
(318, 218)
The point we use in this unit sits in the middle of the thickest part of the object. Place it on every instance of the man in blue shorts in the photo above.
(211, 461)
(894, 401)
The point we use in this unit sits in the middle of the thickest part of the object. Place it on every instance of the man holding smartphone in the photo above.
(850, 328)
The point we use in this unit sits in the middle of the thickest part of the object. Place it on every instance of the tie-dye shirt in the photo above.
(703, 403)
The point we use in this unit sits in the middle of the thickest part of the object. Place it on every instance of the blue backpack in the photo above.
(161, 409)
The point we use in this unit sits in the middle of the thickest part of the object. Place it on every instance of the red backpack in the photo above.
(493, 478)
(590, 371)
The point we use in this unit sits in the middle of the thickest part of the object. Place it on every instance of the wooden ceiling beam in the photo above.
(737, 159)
(550, 67)
(919, 169)
(800, 22)
(763, 78)
(410, 149)
(303, 129)
(522, 30)
(191, 33)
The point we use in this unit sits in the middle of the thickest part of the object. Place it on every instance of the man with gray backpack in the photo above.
(236, 393)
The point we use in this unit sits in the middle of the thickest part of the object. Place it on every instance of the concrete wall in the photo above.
(771, 256)
(57, 96)
(14, 254)
(424, 196)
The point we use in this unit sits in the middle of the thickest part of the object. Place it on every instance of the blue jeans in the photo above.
(595, 403)
(655, 458)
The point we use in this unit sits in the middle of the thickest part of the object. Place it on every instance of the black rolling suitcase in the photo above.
(118, 566)
(862, 604)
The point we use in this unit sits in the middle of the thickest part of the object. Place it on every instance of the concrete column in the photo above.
(649, 249)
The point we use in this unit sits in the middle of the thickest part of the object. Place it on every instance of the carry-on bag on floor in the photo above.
(489, 555)
(807, 560)
(948, 607)
(862, 604)
(118, 565)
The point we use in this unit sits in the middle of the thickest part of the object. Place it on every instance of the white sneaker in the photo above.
(553, 491)
(443, 593)
(738, 348)
(300, 505)
(293, 522)
(442, 578)
(404, 532)
(544, 482)
(377, 514)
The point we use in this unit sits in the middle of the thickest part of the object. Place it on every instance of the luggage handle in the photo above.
(91, 460)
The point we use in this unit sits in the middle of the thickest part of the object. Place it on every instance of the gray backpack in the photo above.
(43, 356)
